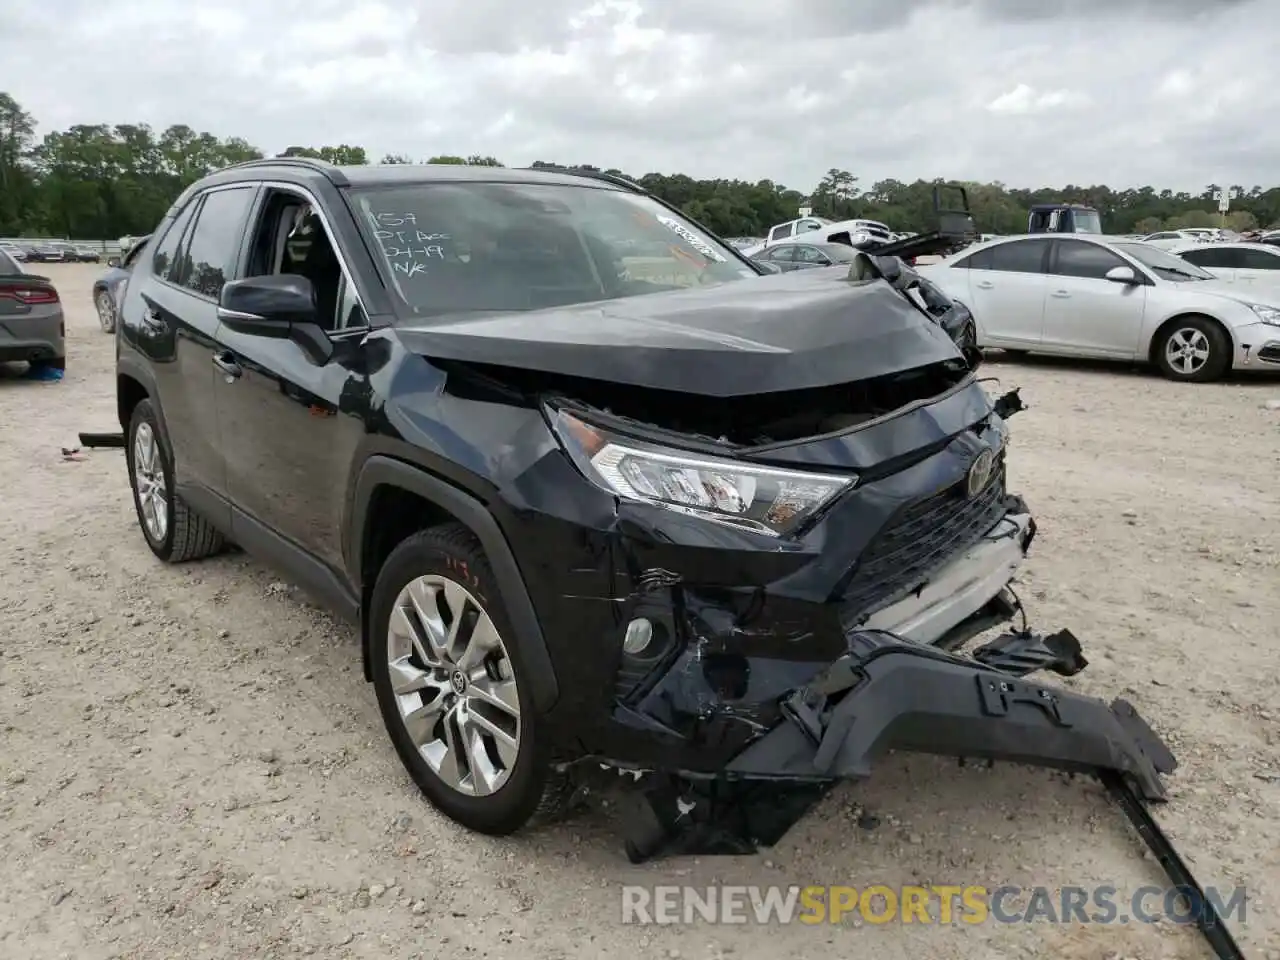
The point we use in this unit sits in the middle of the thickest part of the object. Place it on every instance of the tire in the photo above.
(447, 561)
(1194, 349)
(183, 534)
(106, 310)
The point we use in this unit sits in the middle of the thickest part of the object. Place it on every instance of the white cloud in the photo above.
(717, 88)
(1023, 99)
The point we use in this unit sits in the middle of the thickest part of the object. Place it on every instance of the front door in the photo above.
(289, 444)
(1086, 313)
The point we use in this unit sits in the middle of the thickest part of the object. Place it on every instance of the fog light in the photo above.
(638, 637)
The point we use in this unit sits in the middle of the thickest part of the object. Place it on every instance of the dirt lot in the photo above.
(191, 764)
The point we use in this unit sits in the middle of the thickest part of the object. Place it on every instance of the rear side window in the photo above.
(779, 233)
(1086, 260)
(784, 254)
(1021, 256)
(214, 248)
(165, 258)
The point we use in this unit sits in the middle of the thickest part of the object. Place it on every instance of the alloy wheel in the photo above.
(149, 482)
(454, 685)
(1187, 351)
(106, 311)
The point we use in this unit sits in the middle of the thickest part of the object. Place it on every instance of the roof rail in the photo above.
(315, 164)
(617, 181)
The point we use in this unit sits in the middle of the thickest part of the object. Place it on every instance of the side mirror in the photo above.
(279, 307)
(113, 261)
(1123, 275)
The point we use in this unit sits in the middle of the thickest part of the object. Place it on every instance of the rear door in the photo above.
(1085, 313)
(1006, 287)
(175, 326)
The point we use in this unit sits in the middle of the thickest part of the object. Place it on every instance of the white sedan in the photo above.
(1170, 238)
(1087, 297)
(1254, 266)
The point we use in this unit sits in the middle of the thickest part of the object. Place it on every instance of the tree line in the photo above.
(100, 181)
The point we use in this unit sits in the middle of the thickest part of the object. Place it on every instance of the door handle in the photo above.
(227, 364)
(985, 284)
(1061, 294)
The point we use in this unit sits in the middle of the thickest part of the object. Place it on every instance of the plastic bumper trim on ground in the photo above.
(894, 695)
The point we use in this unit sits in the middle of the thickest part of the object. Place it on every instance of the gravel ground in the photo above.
(192, 765)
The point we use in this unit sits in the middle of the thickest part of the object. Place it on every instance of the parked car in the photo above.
(798, 255)
(1169, 238)
(1251, 265)
(108, 287)
(1087, 297)
(86, 254)
(581, 519)
(32, 328)
(45, 253)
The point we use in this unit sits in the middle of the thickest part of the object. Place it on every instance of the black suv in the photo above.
(597, 492)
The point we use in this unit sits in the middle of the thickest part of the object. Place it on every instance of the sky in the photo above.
(1172, 93)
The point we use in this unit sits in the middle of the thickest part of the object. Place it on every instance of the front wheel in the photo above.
(1194, 349)
(452, 687)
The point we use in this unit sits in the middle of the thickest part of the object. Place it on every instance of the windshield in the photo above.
(497, 247)
(1087, 221)
(1165, 265)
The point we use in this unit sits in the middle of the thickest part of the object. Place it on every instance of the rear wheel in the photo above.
(106, 310)
(1194, 349)
(173, 531)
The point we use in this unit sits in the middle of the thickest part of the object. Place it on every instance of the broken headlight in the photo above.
(764, 499)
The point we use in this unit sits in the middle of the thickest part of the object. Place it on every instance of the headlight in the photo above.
(762, 499)
(1266, 314)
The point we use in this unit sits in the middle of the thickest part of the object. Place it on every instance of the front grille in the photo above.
(921, 537)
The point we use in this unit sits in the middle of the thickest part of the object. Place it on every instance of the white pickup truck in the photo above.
(822, 230)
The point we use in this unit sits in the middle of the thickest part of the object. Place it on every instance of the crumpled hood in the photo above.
(792, 331)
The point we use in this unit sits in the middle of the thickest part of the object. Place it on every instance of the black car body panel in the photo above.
(322, 457)
(723, 341)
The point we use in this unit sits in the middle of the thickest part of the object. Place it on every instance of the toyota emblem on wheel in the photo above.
(459, 682)
(980, 472)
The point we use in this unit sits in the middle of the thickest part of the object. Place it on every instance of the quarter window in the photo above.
(1020, 256)
(165, 258)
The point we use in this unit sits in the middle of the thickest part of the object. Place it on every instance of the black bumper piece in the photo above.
(891, 695)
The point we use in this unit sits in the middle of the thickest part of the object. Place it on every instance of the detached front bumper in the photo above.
(891, 694)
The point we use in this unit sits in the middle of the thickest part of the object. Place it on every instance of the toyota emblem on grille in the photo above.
(980, 472)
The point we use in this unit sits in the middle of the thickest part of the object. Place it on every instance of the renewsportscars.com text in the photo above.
(934, 904)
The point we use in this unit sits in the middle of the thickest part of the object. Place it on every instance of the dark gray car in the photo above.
(798, 255)
(31, 322)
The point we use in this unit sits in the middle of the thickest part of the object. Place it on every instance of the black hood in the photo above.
(793, 331)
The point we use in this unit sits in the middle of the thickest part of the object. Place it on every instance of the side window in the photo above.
(975, 261)
(1258, 260)
(1211, 257)
(779, 233)
(807, 226)
(1086, 260)
(290, 237)
(166, 255)
(1020, 256)
(807, 254)
(214, 248)
(785, 253)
